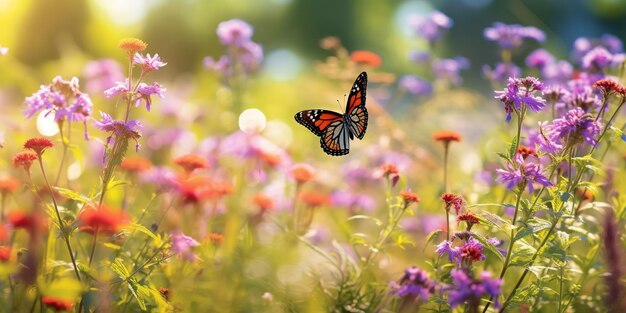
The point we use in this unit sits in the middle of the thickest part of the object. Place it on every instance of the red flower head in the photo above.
(38, 144)
(214, 238)
(102, 219)
(390, 172)
(191, 162)
(5, 253)
(302, 173)
(165, 292)
(264, 202)
(446, 136)
(198, 188)
(136, 164)
(366, 57)
(31, 222)
(314, 198)
(57, 304)
(24, 160)
(526, 151)
(608, 86)
(453, 201)
(409, 197)
(469, 218)
(9, 184)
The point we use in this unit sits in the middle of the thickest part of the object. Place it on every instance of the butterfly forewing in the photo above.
(355, 108)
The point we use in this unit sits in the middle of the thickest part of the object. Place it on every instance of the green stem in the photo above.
(93, 245)
(65, 142)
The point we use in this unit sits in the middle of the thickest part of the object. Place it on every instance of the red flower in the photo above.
(214, 238)
(9, 184)
(38, 144)
(165, 292)
(526, 151)
(4, 232)
(302, 173)
(390, 172)
(191, 162)
(409, 197)
(264, 202)
(314, 198)
(57, 304)
(471, 252)
(5, 253)
(453, 201)
(102, 219)
(366, 57)
(136, 164)
(198, 188)
(446, 136)
(468, 217)
(24, 160)
(31, 222)
(608, 86)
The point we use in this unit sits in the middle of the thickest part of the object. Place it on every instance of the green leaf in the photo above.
(132, 286)
(378, 222)
(512, 148)
(72, 195)
(433, 235)
(120, 269)
(491, 248)
(534, 225)
(142, 229)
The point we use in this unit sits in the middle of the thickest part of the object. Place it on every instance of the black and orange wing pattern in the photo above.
(355, 108)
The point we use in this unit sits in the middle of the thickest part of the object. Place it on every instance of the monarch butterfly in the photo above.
(334, 129)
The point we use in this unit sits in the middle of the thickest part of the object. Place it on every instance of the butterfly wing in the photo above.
(355, 108)
(330, 127)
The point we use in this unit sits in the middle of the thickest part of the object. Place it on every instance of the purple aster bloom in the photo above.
(501, 72)
(446, 247)
(539, 58)
(466, 288)
(234, 32)
(414, 283)
(575, 126)
(431, 26)
(596, 60)
(145, 91)
(523, 172)
(560, 71)
(415, 85)
(119, 88)
(119, 128)
(543, 143)
(148, 63)
(80, 110)
(352, 200)
(448, 69)
(554, 93)
(512, 36)
(102, 74)
(44, 99)
(183, 244)
(419, 57)
(521, 91)
(582, 95)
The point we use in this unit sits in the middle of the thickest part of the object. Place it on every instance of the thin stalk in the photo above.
(93, 245)
(56, 210)
(65, 142)
(445, 185)
(3, 198)
(505, 266)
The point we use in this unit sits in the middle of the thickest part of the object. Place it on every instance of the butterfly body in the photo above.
(335, 129)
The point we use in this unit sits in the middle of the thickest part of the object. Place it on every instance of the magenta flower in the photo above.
(145, 91)
(414, 283)
(432, 26)
(539, 58)
(183, 246)
(121, 129)
(415, 85)
(597, 59)
(466, 288)
(512, 36)
(574, 127)
(148, 63)
(521, 91)
(522, 173)
(234, 32)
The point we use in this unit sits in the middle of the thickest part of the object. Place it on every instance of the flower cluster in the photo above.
(521, 93)
(512, 36)
(523, 173)
(243, 54)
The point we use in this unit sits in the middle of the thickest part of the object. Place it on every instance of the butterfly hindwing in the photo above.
(336, 138)
(355, 108)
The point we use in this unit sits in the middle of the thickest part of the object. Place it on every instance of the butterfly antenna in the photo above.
(339, 104)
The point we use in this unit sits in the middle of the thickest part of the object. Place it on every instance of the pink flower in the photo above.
(148, 63)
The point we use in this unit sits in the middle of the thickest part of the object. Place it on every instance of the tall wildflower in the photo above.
(521, 93)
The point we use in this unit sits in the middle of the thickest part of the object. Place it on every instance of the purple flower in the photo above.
(419, 57)
(414, 283)
(119, 128)
(521, 91)
(448, 69)
(501, 72)
(466, 288)
(145, 91)
(431, 26)
(597, 59)
(539, 58)
(415, 85)
(543, 143)
(252, 56)
(582, 95)
(234, 32)
(559, 71)
(148, 63)
(574, 127)
(352, 200)
(183, 244)
(163, 178)
(612, 43)
(119, 88)
(512, 36)
(102, 74)
(523, 172)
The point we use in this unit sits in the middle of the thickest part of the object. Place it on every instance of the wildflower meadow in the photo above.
(131, 183)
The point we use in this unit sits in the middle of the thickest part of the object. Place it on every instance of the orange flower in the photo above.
(264, 202)
(136, 164)
(314, 198)
(102, 219)
(302, 173)
(410, 197)
(24, 160)
(446, 136)
(57, 304)
(9, 184)
(132, 45)
(198, 188)
(214, 238)
(366, 57)
(5, 253)
(191, 162)
(585, 194)
(165, 292)
(38, 144)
